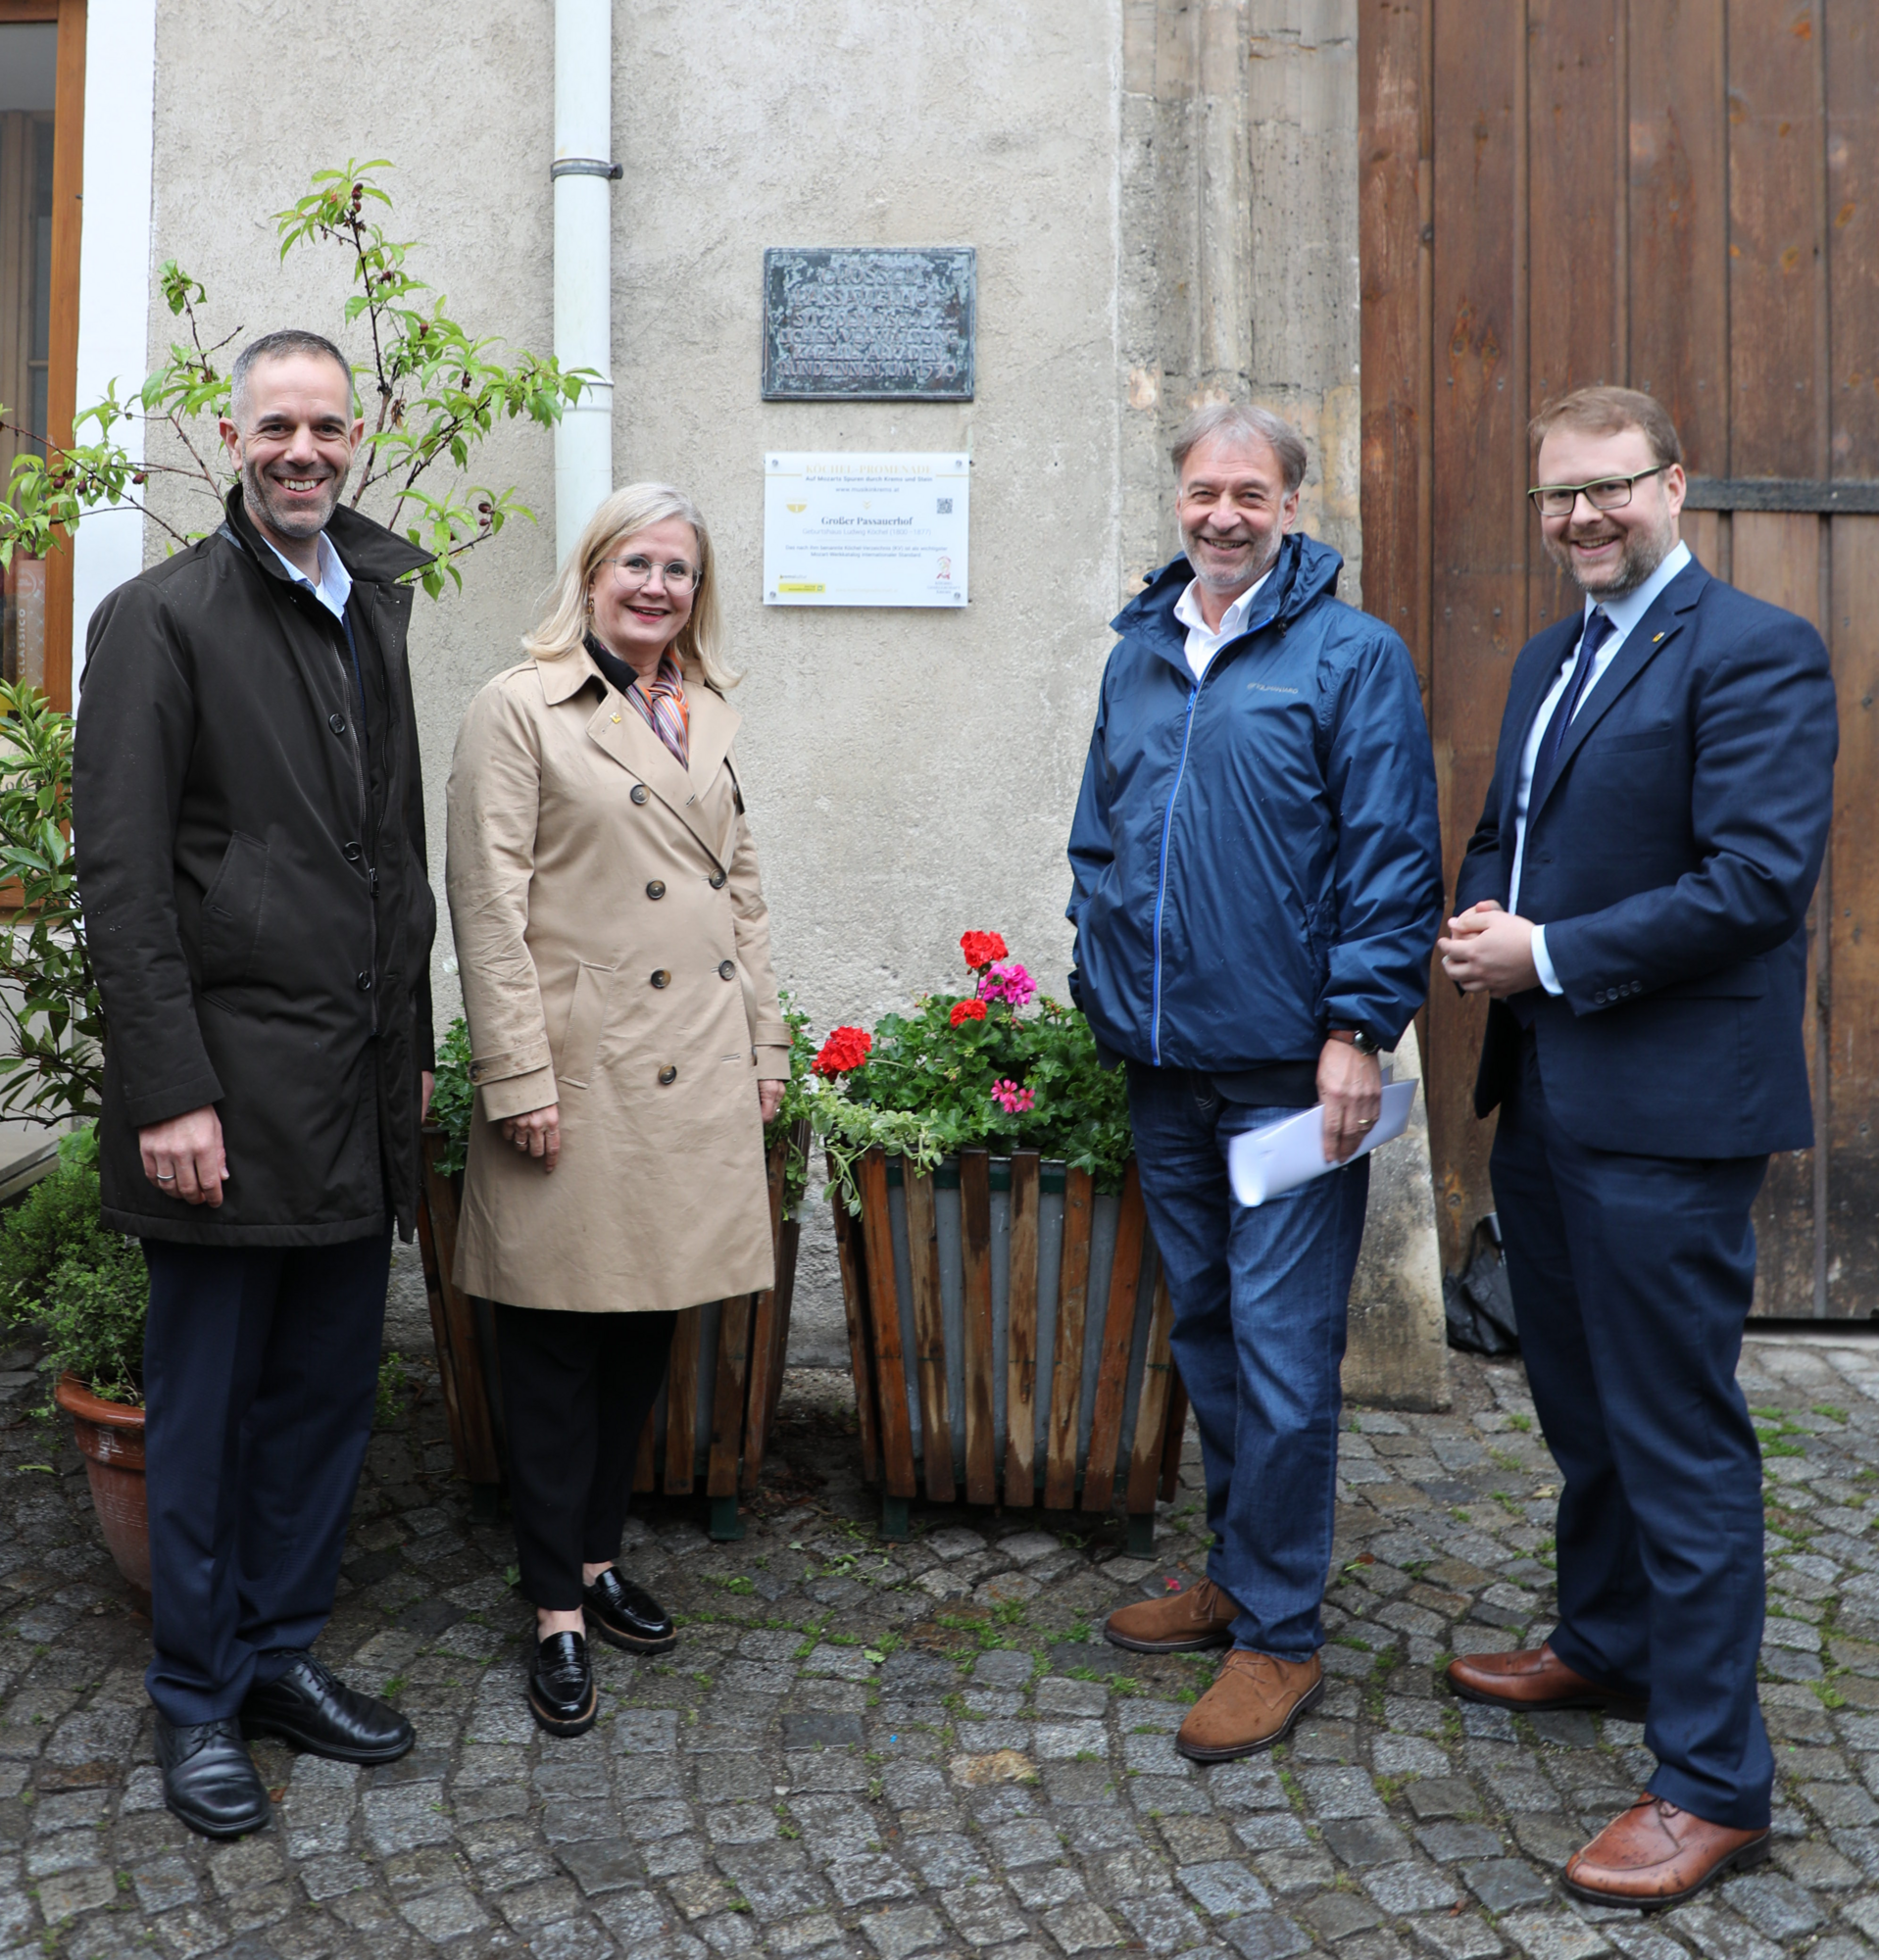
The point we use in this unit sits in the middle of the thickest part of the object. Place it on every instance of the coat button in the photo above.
(351, 854)
(363, 982)
(718, 881)
(337, 724)
(639, 793)
(727, 970)
(657, 889)
(475, 1071)
(666, 1077)
(660, 978)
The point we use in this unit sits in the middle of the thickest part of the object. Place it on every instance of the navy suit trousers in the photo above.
(1632, 1278)
(261, 1368)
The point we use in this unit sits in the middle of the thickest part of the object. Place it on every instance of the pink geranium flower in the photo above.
(1012, 1098)
(1008, 982)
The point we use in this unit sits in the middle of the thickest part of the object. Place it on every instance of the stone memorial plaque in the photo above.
(869, 324)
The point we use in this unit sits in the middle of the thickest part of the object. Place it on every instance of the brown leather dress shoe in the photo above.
(1533, 1680)
(1658, 1855)
(1183, 1623)
(1253, 1702)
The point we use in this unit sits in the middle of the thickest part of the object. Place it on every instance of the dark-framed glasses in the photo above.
(636, 569)
(1609, 493)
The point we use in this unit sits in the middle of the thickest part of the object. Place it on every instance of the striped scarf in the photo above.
(662, 704)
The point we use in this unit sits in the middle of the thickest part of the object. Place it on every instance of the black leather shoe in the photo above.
(562, 1695)
(628, 1615)
(308, 1707)
(209, 1778)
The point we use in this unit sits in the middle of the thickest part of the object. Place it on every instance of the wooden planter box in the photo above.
(714, 1416)
(1009, 1331)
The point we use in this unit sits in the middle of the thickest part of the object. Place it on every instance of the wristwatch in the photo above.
(1359, 1040)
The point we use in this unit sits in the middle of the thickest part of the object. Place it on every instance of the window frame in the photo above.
(62, 374)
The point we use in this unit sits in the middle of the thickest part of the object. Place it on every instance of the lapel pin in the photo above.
(616, 717)
(1655, 638)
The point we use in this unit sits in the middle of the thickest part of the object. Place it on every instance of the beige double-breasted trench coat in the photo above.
(614, 948)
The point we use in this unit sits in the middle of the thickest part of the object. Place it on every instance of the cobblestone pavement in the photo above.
(917, 1749)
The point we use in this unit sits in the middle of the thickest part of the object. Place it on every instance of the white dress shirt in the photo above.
(1624, 613)
(332, 588)
(1203, 643)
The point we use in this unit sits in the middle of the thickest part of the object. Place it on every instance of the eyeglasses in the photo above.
(1610, 493)
(636, 571)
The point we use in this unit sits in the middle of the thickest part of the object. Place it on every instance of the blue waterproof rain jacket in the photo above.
(1256, 858)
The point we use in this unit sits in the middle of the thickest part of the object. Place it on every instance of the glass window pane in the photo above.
(29, 75)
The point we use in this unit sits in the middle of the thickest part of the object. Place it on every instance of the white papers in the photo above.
(865, 530)
(1264, 1163)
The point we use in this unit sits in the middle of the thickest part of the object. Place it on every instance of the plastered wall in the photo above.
(1162, 198)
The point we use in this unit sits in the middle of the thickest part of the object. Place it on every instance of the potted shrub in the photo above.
(711, 1422)
(84, 1290)
(1007, 1326)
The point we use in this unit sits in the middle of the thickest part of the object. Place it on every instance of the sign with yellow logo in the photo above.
(865, 529)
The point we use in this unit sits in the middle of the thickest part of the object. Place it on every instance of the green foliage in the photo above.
(925, 1091)
(51, 1023)
(431, 394)
(797, 1106)
(452, 1098)
(392, 1385)
(84, 1287)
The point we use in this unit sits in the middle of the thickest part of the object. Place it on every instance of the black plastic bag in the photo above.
(1479, 1302)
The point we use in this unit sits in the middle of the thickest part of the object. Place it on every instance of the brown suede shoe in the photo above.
(1183, 1623)
(1658, 1855)
(1253, 1702)
(1533, 1680)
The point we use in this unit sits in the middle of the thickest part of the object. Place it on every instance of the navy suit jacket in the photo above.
(1671, 859)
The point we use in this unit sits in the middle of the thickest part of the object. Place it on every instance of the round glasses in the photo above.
(636, 571)
(1610, 493)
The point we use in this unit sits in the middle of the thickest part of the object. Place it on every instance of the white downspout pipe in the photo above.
(583, 257)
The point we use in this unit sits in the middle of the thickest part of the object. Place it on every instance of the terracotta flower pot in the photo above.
(111, 1436)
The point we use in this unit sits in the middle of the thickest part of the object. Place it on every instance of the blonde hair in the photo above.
(627, 511)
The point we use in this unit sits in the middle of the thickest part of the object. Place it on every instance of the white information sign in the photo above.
(865, 530)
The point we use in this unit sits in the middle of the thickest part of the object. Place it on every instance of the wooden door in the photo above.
(1680, 196)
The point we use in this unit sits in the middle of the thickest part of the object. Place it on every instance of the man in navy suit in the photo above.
(1634, 900)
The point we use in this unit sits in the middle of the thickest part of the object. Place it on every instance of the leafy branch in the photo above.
(435, 394)
(52, 1064)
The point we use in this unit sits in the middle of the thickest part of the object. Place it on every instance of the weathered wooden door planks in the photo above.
(1680, 196)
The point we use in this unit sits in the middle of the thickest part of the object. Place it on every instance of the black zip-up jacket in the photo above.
(256, 897)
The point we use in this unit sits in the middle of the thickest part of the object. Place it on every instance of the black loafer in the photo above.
(562, 1695)
(209, 1778)
(628, 1615)
(308, 1707)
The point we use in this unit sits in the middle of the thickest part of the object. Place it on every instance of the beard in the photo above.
(295, 522)
(1234, 581)
(1643, 552)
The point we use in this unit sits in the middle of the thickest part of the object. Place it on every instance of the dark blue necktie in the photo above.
(1597, 631)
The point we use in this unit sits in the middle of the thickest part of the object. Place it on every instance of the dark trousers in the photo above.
(1632, 1277)
(1259, 1298)
(577, 1389)
(261, 1366)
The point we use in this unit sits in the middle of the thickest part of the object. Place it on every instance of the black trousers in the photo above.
(259, 1370)
(577, 1389)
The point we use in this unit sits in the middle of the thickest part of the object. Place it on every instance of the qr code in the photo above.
(944, 506)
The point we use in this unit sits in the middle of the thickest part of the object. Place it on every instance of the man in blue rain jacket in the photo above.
(1258, 887)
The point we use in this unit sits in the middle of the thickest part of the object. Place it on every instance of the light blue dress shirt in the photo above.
(332, 588)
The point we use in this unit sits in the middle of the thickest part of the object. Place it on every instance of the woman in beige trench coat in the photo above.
(628, 1045)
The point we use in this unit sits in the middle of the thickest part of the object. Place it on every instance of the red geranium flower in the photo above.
(981, 949)
(845, 1049)
(967, 1010)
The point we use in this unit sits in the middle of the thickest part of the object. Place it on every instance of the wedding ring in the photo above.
(1369, 1123)
(171, 1179)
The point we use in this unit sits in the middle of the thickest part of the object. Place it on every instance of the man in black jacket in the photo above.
(249, 822)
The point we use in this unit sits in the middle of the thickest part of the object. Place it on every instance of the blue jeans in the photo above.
(1259, 1298)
